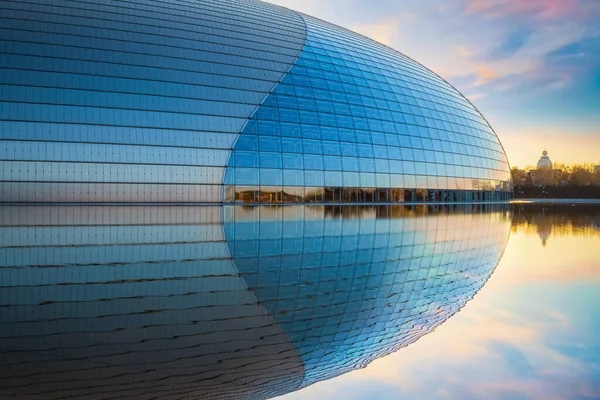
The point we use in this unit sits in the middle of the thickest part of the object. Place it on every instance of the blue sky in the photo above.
(532, 67)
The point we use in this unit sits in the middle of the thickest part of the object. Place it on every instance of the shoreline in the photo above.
(555, 201)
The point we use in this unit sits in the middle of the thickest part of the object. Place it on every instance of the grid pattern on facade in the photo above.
(132, 101)
(356, 121)
(181, 303)
(132, 303)
(364, 282)
(143, 101)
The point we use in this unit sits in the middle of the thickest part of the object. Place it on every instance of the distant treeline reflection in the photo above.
(378, 211)
(560, 181)
(556, 220)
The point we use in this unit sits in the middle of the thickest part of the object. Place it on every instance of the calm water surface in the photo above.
(533, 331)
(388, 302)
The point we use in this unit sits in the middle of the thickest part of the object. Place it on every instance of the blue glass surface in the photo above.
(372, 108)
(532, 332)
(95, 95)
(226, 302)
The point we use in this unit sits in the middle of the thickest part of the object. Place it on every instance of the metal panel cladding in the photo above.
(132, 100)
(226, 101)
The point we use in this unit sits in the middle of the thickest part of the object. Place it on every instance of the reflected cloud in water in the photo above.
(226, 302)
(532, 332)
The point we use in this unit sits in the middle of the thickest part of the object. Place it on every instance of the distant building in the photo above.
(544, 162)
(543, 175)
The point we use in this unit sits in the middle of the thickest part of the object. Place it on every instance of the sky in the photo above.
(532, 67)
(532, 332)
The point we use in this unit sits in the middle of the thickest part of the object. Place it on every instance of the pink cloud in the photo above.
(464, 51)
(542, 9)
(485, 74)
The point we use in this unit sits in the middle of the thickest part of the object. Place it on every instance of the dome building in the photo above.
(227, 101)
(544, 161)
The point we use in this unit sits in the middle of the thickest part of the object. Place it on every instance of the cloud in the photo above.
(475, 6)
(475, 96)
(532, 9)
(587, 47)
(383, 31)
(510, 395)
(485, 74)
(529, 83)
(482, 353)
(514, 359)
(511, 44)
(463, 51)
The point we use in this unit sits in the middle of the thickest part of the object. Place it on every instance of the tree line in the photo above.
(569, 175)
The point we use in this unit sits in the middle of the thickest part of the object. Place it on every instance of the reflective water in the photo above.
(256, 302)
(533, 331)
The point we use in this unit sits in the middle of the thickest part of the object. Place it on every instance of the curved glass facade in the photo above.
(226, 101)
(182, 302)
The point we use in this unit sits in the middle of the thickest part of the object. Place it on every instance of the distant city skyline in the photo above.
(532, 68)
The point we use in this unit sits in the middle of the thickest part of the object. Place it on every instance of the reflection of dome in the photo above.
(544, 231)
(544, 162)
(172, 303)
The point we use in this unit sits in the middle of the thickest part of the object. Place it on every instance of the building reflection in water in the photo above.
(226, 302)
(557, 220)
